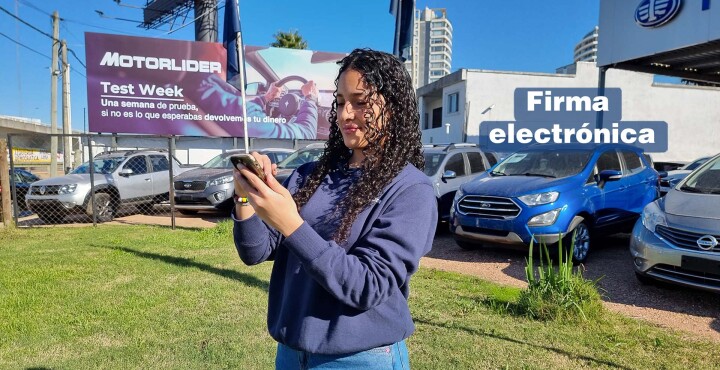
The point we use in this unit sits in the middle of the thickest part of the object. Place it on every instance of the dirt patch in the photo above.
(693, 312)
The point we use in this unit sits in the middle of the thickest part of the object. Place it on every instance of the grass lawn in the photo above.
(148, 297)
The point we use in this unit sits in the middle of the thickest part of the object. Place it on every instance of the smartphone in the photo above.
(250, 162)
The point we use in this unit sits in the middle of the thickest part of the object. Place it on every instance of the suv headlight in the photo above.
(458, 194)
(652, 216)
(221, 180)
(67, 189)
(540, 198)
(545, 219)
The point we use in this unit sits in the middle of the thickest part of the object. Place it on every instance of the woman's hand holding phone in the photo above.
(269, 199)
(261, 163)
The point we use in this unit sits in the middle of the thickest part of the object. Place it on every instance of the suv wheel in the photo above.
(105, 207)
(580, 239)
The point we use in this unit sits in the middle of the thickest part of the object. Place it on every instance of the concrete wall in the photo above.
(692, 113)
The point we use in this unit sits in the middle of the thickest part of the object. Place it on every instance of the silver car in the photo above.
(676, 239)
(674, 177)
(210, 187)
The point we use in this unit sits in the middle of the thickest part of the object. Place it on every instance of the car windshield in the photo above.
(544, 163)
(692, 166)
(704, 180)
(301, 157)
(104, 166)
(432, 162)
(220, 161)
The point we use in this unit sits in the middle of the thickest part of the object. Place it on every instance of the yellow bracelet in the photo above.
(242, 201)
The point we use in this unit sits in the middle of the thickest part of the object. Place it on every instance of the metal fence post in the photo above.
(91, 167)
(171, 192)
(13, 189)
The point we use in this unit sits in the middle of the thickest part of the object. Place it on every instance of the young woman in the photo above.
(348, 232)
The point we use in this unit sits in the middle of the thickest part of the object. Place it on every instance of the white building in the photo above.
(431, 54)
(585, 51)
(452, 108)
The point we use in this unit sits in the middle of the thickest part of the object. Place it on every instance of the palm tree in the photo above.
(289, 40)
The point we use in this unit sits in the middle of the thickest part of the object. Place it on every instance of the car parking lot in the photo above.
(692, 311)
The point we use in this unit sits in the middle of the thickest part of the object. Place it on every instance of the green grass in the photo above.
(127, 297)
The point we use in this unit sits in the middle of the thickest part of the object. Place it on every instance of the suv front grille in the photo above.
(687, 275)
(190, 185)
(683, 239)
(488, 207)
(44, 190)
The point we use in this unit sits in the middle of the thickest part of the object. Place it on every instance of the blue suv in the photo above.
(546, 192)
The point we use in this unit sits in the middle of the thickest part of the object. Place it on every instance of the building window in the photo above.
(437, 48)
(453, 102)
(426, 123)
(437, 57)
(437, 65)
(437, 73)
(437, 117)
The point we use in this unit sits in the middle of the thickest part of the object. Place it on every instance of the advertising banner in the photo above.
(24, 157)
(170, 87)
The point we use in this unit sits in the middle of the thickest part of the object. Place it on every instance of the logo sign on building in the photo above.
(171, 87)
(635, 29)
(655, 13)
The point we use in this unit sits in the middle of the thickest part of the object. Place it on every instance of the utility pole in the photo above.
(206, 22)
(67, 160)
(53, 94)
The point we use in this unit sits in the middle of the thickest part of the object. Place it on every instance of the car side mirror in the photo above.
(610, 175)
(126, 172)
(607, 175)
(662, 174)
(447, 175)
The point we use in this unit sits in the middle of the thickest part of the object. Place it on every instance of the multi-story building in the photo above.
(431, 54)
(585, 51)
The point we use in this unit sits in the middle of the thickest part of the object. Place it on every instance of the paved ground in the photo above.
(694, 312)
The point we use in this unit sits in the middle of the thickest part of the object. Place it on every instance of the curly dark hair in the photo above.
(390, 148)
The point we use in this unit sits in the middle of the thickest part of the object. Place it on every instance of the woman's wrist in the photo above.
(290, 225)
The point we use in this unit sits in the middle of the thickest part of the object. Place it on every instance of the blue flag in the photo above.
(404, 12)
(231, 32)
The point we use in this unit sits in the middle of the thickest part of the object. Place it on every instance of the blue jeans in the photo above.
(394, 356)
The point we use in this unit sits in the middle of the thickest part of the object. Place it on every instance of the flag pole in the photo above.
(241, 64)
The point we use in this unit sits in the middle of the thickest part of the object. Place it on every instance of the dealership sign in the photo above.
(655, 13)
(171, 87)
(634, 29)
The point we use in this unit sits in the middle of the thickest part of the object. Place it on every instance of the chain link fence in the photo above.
(96, 178)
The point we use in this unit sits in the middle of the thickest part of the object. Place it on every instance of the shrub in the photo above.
(560, 293)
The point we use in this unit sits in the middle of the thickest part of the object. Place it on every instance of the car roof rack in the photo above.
(459, 145)
(131, 151)
(314, 146)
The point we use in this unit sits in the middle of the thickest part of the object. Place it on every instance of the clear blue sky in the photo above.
(523, 35)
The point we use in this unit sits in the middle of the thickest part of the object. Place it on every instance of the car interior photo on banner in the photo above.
(289, 92)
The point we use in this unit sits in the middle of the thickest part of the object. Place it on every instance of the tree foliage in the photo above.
(289, 40)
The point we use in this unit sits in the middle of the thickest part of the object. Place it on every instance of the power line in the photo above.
(28, 24)
(44, 33)
(76, 58)
(25, 46)
(30, 5)
(193, 21)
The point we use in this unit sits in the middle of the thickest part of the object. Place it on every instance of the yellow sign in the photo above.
(33, 156)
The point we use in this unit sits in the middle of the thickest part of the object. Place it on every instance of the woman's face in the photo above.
(356, 110)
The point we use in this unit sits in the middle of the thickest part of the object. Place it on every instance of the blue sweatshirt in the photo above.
(332, 298)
